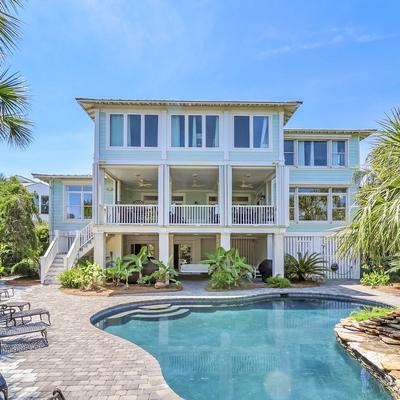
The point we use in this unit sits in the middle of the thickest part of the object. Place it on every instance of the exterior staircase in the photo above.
(54, 261)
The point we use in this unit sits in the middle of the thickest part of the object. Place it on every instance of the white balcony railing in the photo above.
(253, 215)
(194, 215)
(131, 214)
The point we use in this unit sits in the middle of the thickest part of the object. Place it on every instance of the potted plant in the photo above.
(135, 264)
(165, 274)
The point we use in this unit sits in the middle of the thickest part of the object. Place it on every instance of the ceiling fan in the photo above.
(244, 184)
(195, 183)
(142, 183)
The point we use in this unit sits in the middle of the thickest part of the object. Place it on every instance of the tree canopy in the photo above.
(374, 232)
(18, 238)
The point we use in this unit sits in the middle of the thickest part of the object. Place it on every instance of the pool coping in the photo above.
(248, 299)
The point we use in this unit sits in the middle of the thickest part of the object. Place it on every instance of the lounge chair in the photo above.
(24, 329)
(11, 315)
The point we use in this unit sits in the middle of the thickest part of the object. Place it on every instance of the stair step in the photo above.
(155, 307)
(179, 313)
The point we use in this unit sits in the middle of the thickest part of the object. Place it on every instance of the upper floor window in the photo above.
(195, 131)
(289, 152)
(78, 201)
(315, 152)
(44, 204)
(251, 131)
(141, 130)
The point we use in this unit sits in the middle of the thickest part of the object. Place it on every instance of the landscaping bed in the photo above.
(22, 281)
(117, 291)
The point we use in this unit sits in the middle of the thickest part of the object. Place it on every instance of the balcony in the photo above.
(131, 214)
(253, 215)
(194, 215)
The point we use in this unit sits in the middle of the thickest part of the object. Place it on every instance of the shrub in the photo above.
(72, 278)
(27, 268)
(367, 313)
(304, 266)
(278, 282)
(230, 268)
(375, 278)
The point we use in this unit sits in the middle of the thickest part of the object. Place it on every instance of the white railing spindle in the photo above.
(253, 215)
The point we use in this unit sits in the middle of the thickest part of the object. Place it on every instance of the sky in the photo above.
(341, 58)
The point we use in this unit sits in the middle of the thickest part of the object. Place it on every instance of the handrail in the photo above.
(131, 214)
(47, 259)
(195, 214)
(82, 237)
(253, 215)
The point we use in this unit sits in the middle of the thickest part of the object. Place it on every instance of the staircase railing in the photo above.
(47, 259)
(82, 238)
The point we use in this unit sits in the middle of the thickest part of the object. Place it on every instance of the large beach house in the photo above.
(184, 177)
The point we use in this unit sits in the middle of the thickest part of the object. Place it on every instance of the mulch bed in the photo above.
(394, 288)
(117, 291)
(23, 282)
(258, 285)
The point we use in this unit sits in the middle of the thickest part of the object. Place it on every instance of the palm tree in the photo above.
(14, 127)
(374, 231)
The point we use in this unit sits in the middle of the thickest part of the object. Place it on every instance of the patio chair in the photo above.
(57, 395)
(9, 314)
(24, 329)
(3, 387)
(6, 293)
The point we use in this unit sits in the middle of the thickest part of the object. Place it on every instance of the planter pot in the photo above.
(160, 285)
(148, 269)
(265, 269)
(134, 277)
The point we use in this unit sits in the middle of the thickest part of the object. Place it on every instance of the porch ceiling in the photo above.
(135, 176)
(254, 177)
(194, 178)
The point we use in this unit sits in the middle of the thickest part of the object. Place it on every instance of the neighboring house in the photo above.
(41, 192)
(183, 177)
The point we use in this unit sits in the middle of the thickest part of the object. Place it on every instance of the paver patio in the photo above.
(87, 363)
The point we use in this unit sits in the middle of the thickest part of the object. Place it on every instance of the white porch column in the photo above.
(228, 196)
(278, 260)
(95, 206)
(225, 240)
(163, 246)
(167, 194)
(100, 198)
(118, 191)
(99, 243)
(221, 194)
(282, 195)
(115, 246)
(270, 246)
(161, 191)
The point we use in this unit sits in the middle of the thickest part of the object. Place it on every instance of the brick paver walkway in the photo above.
(87, 363)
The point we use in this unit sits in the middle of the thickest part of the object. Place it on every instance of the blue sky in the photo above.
(341, 58)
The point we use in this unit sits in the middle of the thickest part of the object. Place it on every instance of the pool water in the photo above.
(284, 349)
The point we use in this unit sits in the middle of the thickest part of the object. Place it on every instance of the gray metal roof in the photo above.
(48, 177)
(356, 132)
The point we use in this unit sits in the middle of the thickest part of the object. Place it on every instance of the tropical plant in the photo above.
(85, 276)
(18, 238)
(304, 266)
(115, 270)
(71, 279)
(373, 233)
(166, 272)
(278, 282)
(27, 268)
(375, 278)
(135, 262)
(14, 127)
(227, 268)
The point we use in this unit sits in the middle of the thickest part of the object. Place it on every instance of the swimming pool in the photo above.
(271, 349)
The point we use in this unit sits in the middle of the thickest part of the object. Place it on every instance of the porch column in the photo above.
(163, 246)
(118, 191)
(167, 194)
(278, 260)
(228, 193)
(225, 240)
(221, 194)
(99, 243)
(161, 208)
(100, 198)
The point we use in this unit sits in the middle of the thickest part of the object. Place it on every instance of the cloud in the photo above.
(329, 38)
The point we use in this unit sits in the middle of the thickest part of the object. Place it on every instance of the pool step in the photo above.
(174, 314)
(155, 307)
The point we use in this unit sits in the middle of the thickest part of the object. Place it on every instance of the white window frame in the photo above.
(329, 152)
(125, 146)
(203, 130)
(329, 195)
(251, 144)
(65, 201)
(48, 204)
(295, 142)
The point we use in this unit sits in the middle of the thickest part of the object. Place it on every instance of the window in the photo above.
(339, 200)
(260, 132)
(78, 202)
(292, 192)
(150, 199)
(212, 131)
(178, 131)
(134, 130)
(44, 205)
(339, 153)
(251, 131)
(151, 130)
(195, 131)
(137, 130)
(317, 204)
(313, 153)
(242, 131)
(240, 200)
(289, 152)
(116, 130)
